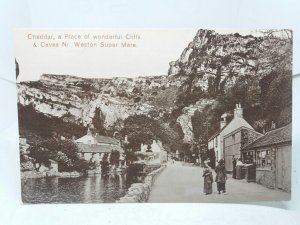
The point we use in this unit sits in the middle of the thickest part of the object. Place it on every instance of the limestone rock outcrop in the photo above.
(211, 61)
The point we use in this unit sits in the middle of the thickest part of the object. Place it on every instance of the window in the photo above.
(216, 141)
(263, 159)
(248, 157)
(233, 138)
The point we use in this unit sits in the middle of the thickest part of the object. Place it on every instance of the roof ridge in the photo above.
(273, 137)
(277, 129)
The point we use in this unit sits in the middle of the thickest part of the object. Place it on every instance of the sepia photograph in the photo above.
(154, 115)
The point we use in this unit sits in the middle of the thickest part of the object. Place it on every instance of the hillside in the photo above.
(212, 74)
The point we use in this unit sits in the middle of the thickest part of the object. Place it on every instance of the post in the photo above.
(199, 155)
(207, 124)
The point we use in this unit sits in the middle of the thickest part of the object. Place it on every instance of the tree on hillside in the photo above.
(138, 130)
(276, 50)
(197, 123)
(98, 121)
(276, 97)
(276, 85)
(43, 127)
(64, 152)
(141, 129)
(40, 156)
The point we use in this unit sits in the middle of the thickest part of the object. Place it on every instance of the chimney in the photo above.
(223, 121)
(238, 111)
(89, 132)
(273, 125)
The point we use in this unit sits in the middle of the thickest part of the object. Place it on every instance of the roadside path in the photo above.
(181, 182)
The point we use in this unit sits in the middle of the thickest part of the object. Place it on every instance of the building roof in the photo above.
(242, 128)
(99, 139)
(234, 124)
(277, 136)
(106, 139)
(94, 148)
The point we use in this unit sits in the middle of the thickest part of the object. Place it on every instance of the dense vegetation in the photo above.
(64, 152)
(35, 126)
(141, 129)
(264, 92)
(265, 95)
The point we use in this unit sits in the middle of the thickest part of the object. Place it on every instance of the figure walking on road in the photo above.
(221, 176)
(208, 179)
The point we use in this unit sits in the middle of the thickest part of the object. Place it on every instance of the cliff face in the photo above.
(76, 99)
(219, 59)
(210, 63)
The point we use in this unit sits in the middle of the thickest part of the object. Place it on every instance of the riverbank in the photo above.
(139, 192)
(35, 174)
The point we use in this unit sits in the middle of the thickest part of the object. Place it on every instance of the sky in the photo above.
(155, 49)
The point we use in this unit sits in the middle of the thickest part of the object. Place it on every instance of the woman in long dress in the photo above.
(221, 176)
(208, 179)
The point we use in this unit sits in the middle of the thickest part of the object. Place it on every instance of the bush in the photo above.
(64, 152)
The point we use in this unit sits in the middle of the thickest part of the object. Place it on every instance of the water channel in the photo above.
(90, 189)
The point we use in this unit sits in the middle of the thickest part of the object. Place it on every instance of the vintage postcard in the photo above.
(154, 115)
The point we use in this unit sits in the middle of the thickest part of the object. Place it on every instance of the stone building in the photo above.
(272, 155)
(94, 146)
(215, 142)
(234, 141)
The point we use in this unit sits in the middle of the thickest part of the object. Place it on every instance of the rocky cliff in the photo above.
(76, 99)
(219, 59)
(207, 67)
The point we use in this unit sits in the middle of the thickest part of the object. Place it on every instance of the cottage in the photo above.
(215, 142)
(234, 141)
(272, 155)
(94, 146)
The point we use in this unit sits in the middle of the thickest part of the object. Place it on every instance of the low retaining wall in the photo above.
(266, 178)
(139, 192)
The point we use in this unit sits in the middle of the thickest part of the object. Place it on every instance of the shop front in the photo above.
(271, 154)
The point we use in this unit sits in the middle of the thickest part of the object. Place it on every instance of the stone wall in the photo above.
(266, 178)
(248, 136)
(139, 192)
